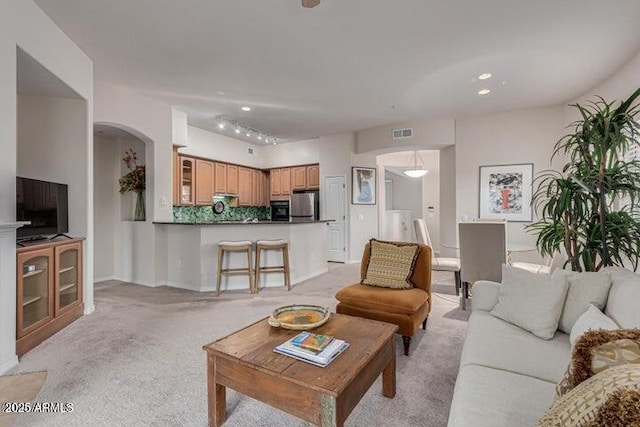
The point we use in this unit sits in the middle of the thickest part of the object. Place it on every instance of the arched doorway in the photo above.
(114, 213)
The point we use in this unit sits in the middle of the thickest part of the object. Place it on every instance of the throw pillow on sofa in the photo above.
(582, 405)
(596, 351)
(391, 265)
(531, 301)
(584, 289)
(592, 319)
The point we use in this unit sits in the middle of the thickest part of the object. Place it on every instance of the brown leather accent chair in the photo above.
(407, 308)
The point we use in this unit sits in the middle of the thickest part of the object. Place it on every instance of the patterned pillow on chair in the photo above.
(391, 265)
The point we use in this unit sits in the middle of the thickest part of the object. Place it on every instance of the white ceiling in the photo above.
(351, 64)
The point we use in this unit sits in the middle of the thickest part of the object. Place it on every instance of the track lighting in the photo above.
(245, 132)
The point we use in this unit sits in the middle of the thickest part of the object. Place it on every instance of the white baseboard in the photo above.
(9, 364)
(103, 279)
(353, 261)
(90, 309)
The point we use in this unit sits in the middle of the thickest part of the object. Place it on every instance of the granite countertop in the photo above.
(260, 222)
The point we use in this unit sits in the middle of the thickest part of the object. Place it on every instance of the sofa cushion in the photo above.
(487, 397)
(591, 319)
(401, 301)
(532, 301)
(498, 344)
(584, 289)
(622, 304)
(581, 405)
(390, 265)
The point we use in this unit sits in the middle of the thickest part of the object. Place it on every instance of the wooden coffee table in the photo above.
(245, 362)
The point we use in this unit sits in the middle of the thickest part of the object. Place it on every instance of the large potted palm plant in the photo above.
(588, 209)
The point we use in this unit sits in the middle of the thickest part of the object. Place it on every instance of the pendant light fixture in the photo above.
(416, 171)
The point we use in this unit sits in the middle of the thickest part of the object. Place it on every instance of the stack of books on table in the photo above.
(316, 349)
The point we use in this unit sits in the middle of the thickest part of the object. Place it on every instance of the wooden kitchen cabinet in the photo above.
(204, 182)
(299, 178)
(245, 186)
(255, 187)
(263, 189)
(275, 182)
(285, 181)
(187, 180)
(220, 178)
(313, 177)
(49, 290)
(232, 179)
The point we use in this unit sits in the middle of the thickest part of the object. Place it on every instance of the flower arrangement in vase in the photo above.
(134, 180)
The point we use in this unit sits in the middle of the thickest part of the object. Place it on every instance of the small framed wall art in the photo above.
(363, 186)
(505, 192)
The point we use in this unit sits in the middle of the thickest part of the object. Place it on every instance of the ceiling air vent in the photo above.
(402, 133)
(251, 152)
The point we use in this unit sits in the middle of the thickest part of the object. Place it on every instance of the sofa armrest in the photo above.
(485, 295)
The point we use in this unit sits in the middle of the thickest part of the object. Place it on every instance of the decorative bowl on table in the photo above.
(299, 317)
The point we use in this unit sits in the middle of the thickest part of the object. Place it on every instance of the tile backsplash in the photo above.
(205, 213)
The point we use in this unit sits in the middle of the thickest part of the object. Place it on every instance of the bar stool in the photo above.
(269, 245)
(234, 246)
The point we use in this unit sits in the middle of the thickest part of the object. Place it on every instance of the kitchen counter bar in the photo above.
(192, 258)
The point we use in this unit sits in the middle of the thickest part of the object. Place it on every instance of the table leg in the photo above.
(389, 374)
(328, 412)
(217, 396)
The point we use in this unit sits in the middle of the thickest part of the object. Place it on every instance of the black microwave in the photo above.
(279, 210)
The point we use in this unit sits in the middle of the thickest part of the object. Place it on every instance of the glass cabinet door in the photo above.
(187, 176)
(35, 307)
(68, 261)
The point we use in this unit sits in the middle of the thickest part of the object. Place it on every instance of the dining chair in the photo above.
(556, 261)
(483, 250)
(437, 263)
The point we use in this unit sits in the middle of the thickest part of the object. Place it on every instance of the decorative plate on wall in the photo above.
(218, 207)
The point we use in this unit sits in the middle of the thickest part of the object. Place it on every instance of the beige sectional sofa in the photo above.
(507, 375)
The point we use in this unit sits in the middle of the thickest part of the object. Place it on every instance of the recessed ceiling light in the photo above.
(259, 137)
(237, 129)
(483, 91)
(221, 125)
(248, 134)
(245, 108)
(484, 76)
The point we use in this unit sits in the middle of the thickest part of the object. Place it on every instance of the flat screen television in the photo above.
(44, 204)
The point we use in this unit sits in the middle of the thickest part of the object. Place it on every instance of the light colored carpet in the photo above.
(138, 360)
(19, 388)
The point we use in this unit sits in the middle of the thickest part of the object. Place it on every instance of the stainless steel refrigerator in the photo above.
(305, 205)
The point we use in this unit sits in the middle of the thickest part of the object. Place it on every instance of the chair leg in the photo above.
(252, 290)
(257, 275)
(219, 276)
(458, 283)
(424, 324)
(287, 276)
(406, 341)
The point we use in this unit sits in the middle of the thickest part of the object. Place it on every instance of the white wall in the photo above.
(335, 160)
(447, 193)
(55, 149)
(407, 194)
(151, 121)
(106, 203)
(211, 145)
(23, 24)
(291, 153)
(522, 136)
(427, 134)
